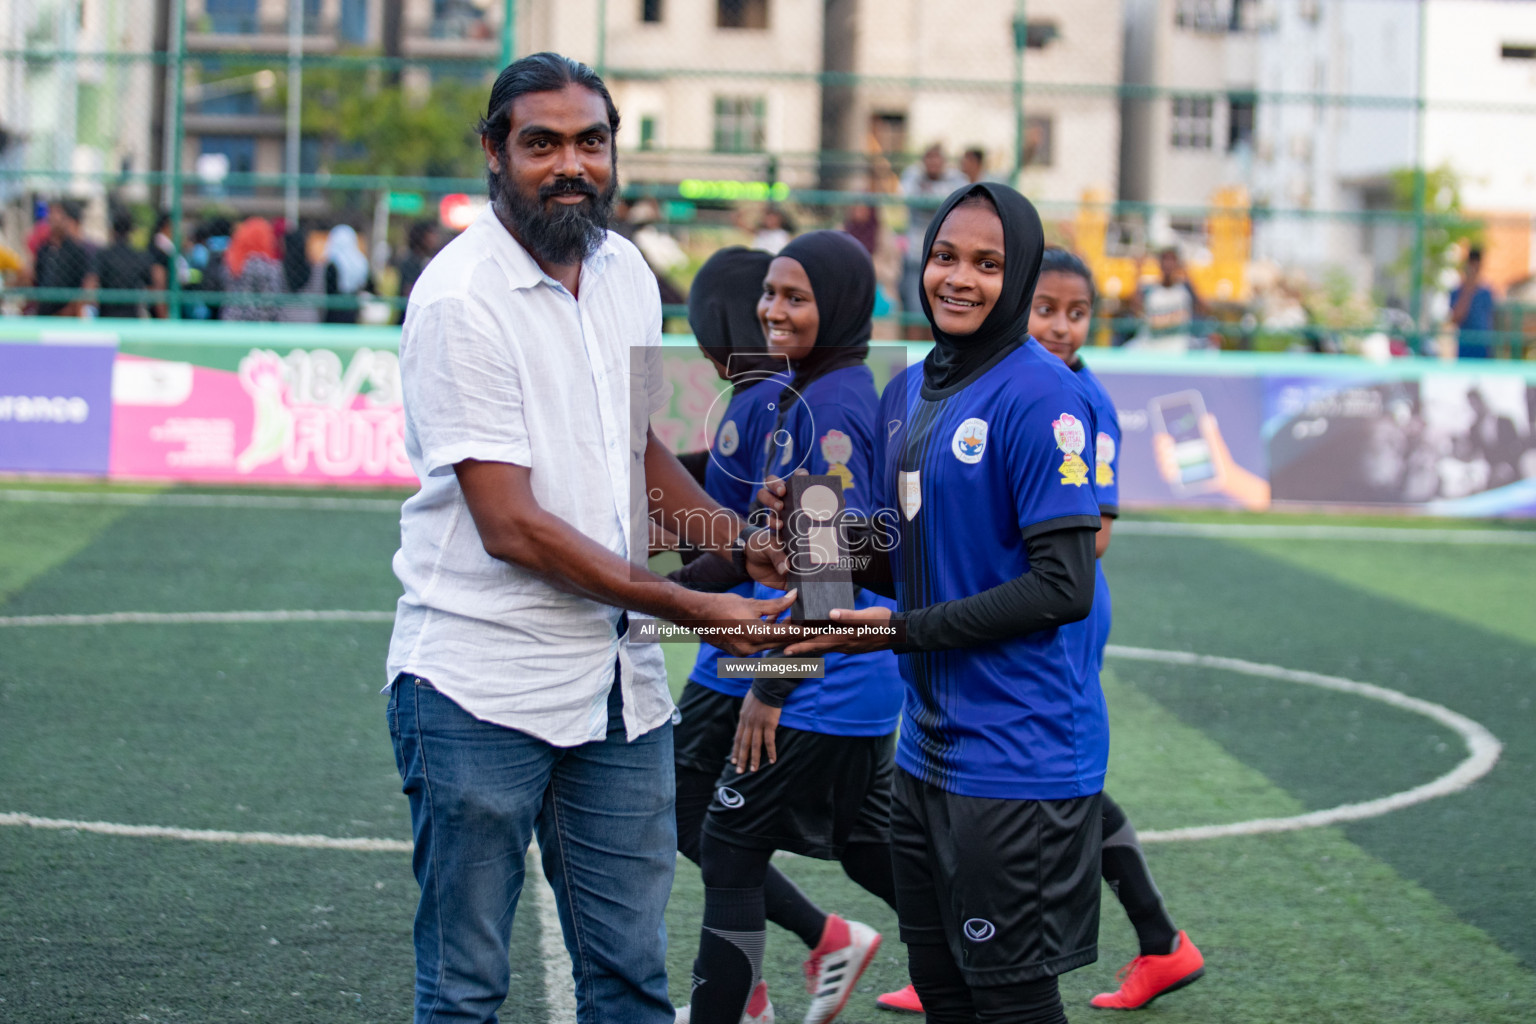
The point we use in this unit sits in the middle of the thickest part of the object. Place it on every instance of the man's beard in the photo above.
(561, 235)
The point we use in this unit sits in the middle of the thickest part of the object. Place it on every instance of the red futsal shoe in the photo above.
(903, 1000)
(1147, 977)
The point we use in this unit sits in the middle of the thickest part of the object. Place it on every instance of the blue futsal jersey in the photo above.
(1093, 632)
(831, 431)
(732, 477)
(973, 475)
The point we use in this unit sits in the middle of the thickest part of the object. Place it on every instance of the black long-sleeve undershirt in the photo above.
(1057, 589)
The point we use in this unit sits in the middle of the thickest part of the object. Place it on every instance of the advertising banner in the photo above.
(265, 404)
(307, 415)
(55, 408)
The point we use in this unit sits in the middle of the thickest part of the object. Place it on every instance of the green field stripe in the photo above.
(1231, 599)
(1485, 589)
(175, 559)
(34, 539)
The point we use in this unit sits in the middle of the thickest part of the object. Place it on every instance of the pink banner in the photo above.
(300, 418)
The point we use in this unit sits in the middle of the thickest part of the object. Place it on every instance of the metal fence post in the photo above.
(173, 164)
(508, 31)
(1420, 196)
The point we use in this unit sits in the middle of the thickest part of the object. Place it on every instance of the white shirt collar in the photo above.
(515, 261)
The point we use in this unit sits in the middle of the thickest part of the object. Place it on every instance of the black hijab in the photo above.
(722, 310)
(843, 281)
(957, 358)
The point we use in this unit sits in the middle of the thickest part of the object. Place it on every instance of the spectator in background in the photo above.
(421, 245)
(1167, 309)
(774, 231)
(1472, 310)
(163, 260)
(121, 266)
(346, 273)
(973, 164)
(930, 181)
(863, 223)
(207, 273)
(300, 278)
(253, 268)
(64, 261)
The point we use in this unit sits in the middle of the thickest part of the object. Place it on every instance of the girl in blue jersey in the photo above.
(1059, 318)
(816, 780)
(986, 460)
(722, 310)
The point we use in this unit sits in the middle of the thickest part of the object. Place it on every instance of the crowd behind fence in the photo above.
(176, 159)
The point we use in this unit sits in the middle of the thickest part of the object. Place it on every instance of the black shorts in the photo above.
(703, 738)
(1011, 886)
(823, 793)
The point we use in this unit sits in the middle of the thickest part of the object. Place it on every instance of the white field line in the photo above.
(201, 835)
(1284, 531)
(286, 502)
(1483, 748)
(192, 618)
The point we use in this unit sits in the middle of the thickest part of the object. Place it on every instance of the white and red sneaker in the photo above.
(759, 1009)
(835, 965)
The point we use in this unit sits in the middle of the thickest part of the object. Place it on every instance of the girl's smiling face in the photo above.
(1060, 313)
(787, 310)
(963, 277)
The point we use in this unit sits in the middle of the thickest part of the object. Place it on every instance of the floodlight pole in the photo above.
(295, 107)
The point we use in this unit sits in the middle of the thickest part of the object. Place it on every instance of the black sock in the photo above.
(940, 985)
(788, 907)
(1125, 869)
(869, 864)
(730, 960)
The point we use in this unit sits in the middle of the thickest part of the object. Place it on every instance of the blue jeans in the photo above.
(603, 813)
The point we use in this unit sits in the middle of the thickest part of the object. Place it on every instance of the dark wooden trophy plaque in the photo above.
(817, 547)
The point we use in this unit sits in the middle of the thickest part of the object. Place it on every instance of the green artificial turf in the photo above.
(1419, 916)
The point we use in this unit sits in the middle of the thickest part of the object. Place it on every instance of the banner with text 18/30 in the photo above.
(302, 416)
(55, 408)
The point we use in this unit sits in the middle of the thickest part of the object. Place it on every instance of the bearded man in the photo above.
(517, 706)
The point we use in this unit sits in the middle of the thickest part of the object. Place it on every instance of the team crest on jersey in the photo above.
(909, 485)
(970, 441)
(1071, 437)
(1074, 471)
(1104, 459)
(730, 439)
(836, 446)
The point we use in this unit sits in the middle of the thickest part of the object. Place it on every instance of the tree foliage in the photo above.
(370, 126)
(1446, 230)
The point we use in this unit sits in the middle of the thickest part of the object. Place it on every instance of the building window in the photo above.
(458, 19)
(648, 132)
(741, 13)
(1240, 108)
(1039, 142)
(1040, 34)
(890, 132)
(354, 21)
(233, 17)
(739, 124)
(650, 10)
(1192, 122)
(1200, 15)
(1517, 51)
(222, 156)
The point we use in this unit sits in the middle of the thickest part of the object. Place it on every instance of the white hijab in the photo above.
(342, 250)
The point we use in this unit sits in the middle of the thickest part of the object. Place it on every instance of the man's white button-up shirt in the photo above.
(500, 363)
